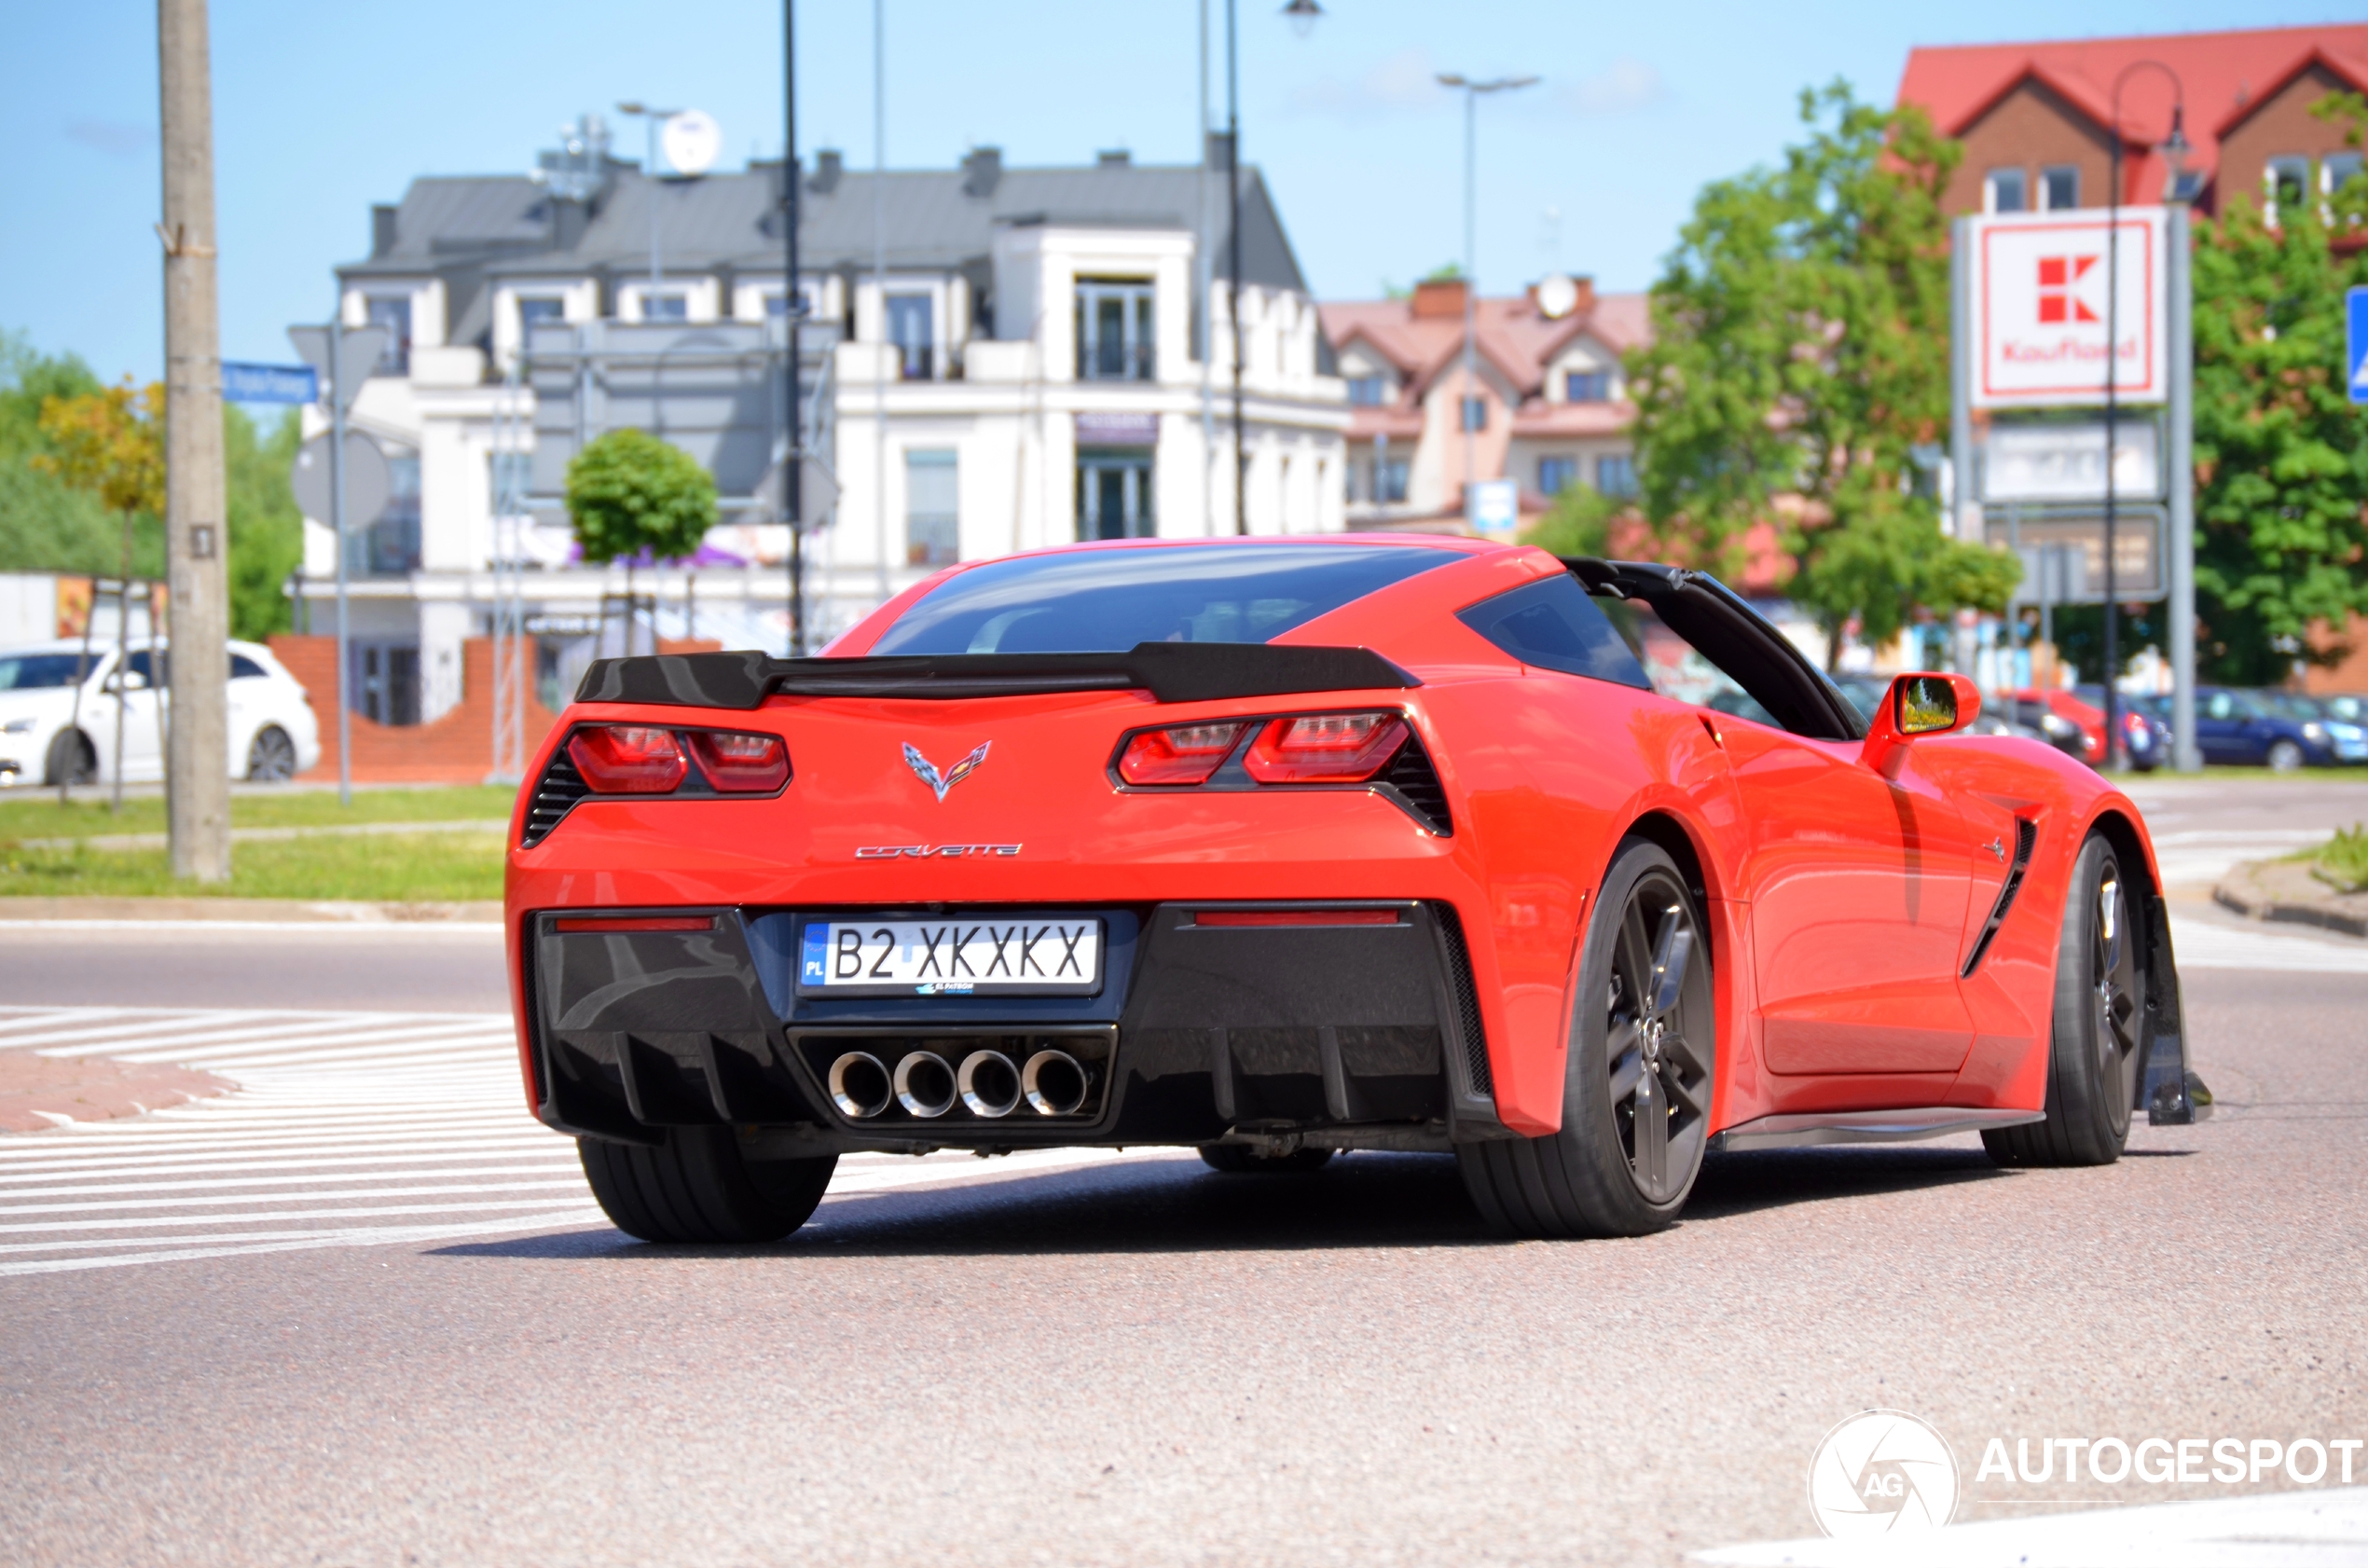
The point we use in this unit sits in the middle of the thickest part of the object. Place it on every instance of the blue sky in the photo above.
(322, 109)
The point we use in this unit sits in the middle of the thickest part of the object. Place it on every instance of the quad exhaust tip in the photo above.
(990, 1084)
(860, 1085)
(987, 1084)
(1054, 1083)
(925, 1085)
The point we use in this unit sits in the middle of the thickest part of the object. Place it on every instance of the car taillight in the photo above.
(627, 759)
(741, 763)
(1187, 755)
(1325, 748)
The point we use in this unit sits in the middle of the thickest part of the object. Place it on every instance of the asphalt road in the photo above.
(1140, 1361)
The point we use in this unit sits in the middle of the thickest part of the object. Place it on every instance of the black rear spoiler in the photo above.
(1170, 672)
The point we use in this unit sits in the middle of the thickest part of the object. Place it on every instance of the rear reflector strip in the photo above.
(637, 922)
(1296, 918)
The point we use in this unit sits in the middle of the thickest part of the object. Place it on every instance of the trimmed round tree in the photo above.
(630, 495)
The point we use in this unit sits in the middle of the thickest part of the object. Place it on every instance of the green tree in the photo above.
(1579, 523)
(632, 495)
(1801, 350)
(2281, 454)
(266, 529)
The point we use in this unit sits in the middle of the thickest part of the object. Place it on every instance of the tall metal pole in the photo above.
(1233, 257)
(879, 284)
(792, 318)
(336, 527)
(197, 771)
(2186, 757)
(1471, 296)
(2113, 392)
(1962, 499)
(1204, 277)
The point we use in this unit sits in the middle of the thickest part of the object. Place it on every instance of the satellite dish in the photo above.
(691, 140)
(1557, 297)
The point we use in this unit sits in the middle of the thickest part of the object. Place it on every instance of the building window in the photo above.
(1366, 391)
(933, 508)
(2336, 171)
(1475, 413)
(391, 544)
(1556, 474)
(1114, 493)
(1115, 331)
(908, 328)
(1378, 479)
(777, 301)
(2006, 190)
(386, 681)
(2060, 188)
(392, 311)
(1616, 474)
(1588, 386)
(665, 305)
(2288, 180)
(540, 309)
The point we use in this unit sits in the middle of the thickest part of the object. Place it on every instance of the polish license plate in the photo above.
(976, 956)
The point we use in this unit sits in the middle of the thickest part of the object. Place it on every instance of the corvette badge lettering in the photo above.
(930, 851)
(925, 771)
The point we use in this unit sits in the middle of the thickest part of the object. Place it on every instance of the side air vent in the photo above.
(1416, 787)
(1459, 975)
(555, 796)
(2025, 837)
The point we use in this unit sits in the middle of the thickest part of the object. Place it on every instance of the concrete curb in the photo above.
(2284, 891)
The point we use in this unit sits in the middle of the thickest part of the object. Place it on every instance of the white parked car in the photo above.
(58, 708)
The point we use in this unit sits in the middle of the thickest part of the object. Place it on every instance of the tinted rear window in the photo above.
(1106, 602)
(1554, 625)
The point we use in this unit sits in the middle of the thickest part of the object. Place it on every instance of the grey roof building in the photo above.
(1029, 357)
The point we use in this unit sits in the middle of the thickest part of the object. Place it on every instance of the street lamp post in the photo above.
(2174, 150)
(1303, 14)
(653, 119)
(1472, 91)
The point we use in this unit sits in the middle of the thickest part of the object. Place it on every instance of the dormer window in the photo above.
(1115, 330)
(665, 305)
(1588, 386)
(1366, 392)
(392, 311)
(908, 328)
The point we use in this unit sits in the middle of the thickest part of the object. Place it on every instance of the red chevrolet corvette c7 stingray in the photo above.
(1278, 847)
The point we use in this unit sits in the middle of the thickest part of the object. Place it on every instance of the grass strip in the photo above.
(397, 867)
(41, 816)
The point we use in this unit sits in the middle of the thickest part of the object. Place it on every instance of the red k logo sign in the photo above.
(2061, 286)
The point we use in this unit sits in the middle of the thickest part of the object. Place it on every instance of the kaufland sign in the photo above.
(2041, 284)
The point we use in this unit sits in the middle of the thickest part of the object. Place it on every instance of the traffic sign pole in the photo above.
(2186, 755)
(336, 527)
(2356, 341)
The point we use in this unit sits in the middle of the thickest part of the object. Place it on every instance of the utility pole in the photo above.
(792, 318)
(197, 769)
(1233, 258)
(1472, 91)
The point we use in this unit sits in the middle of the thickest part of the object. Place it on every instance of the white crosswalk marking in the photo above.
(347, 1129)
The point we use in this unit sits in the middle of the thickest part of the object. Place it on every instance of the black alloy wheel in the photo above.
(1237, 1158)
(271, 756)
(2096, 1054)
(72, 760)
(1637, 1085)
(697, 1187)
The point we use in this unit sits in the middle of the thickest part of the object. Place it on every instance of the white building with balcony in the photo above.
(994, 359)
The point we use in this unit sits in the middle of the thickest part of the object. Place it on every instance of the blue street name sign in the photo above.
(2356, 342)
(269, 383)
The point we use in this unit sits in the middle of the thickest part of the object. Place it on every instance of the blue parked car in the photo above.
(2253, 728)
(2346, 735)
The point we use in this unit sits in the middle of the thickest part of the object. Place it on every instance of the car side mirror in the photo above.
(1920, 704)
(129, 680)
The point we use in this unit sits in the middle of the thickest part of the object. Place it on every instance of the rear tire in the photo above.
(696, 1188)
(70, 750)
(271, 756)
(1237, 1158)
(2093, 1052)
(1636, 1089)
